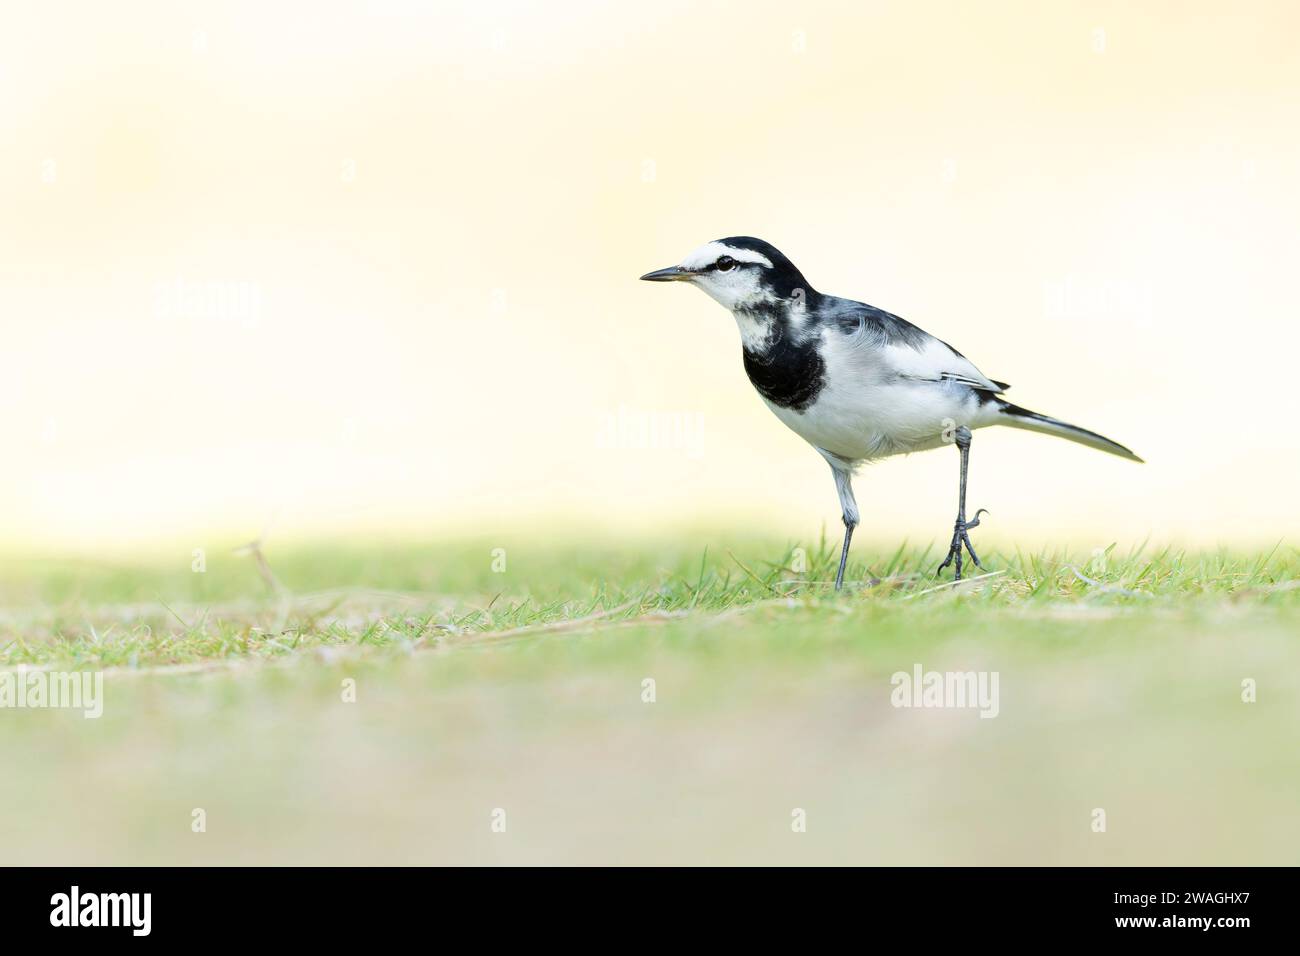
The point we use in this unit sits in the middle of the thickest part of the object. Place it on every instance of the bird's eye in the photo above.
(725, 264)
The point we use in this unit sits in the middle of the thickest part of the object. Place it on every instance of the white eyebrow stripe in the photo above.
(708, 254)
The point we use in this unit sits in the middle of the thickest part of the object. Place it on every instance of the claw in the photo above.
(960, 540)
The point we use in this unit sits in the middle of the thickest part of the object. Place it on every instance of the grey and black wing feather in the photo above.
(912, 352)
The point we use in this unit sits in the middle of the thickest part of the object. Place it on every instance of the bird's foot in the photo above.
(961, 539)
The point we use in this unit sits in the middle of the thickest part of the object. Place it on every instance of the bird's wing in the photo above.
(906, 350)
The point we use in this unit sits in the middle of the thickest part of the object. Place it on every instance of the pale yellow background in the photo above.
(439, 212)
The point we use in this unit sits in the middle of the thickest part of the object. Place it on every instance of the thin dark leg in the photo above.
(843, 472)
(960, 537)
(844, 554)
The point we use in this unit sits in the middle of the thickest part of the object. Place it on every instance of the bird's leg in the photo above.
(849, 506)
(844, 553)
(960, 537)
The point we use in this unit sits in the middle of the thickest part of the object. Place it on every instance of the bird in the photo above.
(854, 381)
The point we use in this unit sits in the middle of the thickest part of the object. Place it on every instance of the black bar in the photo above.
(300, 905)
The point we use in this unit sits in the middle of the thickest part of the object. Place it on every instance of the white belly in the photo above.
(863, 413)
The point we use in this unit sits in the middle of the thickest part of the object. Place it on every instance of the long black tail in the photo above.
(1017, 417)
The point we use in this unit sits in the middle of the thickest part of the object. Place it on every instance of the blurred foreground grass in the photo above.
(520, 686)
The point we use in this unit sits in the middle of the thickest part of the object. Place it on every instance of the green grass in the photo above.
(95, 615)
(477, 688)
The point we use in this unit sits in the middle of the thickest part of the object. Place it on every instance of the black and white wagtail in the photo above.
(853, 381)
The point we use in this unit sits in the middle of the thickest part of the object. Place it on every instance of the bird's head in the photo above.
(740, 273)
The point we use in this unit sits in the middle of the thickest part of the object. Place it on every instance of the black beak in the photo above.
(671, 274)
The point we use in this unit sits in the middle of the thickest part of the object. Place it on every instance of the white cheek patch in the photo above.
(709, 253)
(734, 289)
